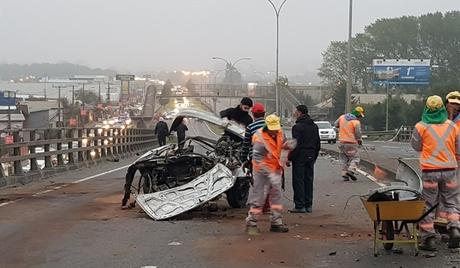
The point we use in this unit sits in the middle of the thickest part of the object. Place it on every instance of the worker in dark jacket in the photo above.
(240, 113)
(179, 126)
(303, 158)
(161, 130)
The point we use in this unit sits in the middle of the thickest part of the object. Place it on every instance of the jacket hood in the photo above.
(350, 117)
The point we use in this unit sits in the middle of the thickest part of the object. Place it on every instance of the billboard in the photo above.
(401, 72)
(124, 77)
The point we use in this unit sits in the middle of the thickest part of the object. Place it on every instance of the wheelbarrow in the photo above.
(395, 210)
(395, 221)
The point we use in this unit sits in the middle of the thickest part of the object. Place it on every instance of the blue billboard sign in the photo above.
(401, 72)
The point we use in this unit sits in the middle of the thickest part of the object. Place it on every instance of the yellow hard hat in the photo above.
(273, 122)
(453, 97)
(434, 102)
(359, 111)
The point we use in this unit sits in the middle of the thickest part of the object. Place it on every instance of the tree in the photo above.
(190, 86)
(87, 97)
(338, 99)
(434, 36)
(166, 92)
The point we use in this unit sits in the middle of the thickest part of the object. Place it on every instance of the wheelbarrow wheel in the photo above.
(388, 233)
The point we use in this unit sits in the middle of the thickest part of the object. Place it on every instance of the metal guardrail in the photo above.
(39, 150)
(403, 134)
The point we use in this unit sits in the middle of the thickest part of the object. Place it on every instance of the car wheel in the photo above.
(329, 142)
(237, 196)
(334, 141)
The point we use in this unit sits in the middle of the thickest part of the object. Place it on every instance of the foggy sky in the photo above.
(154, 35)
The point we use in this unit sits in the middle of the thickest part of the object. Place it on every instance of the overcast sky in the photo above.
(153, 35)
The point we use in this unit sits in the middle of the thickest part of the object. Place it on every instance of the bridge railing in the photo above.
(41, 152)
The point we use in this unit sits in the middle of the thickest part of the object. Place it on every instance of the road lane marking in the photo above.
(9, 202)
(100, 174)
(65, 185)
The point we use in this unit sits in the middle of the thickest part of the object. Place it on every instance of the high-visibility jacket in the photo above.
(268, 157)
(438, 145)
(348, 130)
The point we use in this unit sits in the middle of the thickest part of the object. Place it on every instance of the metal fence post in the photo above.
(90, 139)
(60, 159)
(70, 157)
(80, 145)
(33, 161)
(17, 152)
(103, 143)
(46, 147)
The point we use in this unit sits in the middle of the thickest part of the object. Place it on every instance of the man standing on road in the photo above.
(303, 158)
(268, 142)
(181, 128)
(258, 112)
(437, 140)
(240, 113)
(349, 139)
(161, 130)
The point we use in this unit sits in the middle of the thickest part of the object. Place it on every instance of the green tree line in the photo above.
(434, 36)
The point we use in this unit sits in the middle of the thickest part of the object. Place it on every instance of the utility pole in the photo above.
(46, 79)
(9, 110)
(73, 94)
(59, 102)
(108, 93)
(99, 82)
(349, 80)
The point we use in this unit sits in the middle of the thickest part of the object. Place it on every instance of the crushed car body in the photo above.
(174, 179)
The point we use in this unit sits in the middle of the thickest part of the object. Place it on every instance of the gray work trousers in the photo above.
(349, 157)
(442, 187)
(264, 180)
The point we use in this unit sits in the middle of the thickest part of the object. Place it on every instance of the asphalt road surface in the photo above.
(75, 220)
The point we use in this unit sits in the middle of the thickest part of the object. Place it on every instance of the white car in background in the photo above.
(326, 131)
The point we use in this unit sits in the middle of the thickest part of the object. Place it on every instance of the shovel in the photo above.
(378, 172)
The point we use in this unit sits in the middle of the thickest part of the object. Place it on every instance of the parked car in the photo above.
(326, 131)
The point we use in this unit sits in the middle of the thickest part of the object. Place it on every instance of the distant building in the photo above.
(40, 114)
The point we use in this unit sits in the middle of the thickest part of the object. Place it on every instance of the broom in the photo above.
(378, 172)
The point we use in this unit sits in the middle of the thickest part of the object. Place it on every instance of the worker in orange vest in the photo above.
(437, 140)
(453, 107)
(349, 139)
(268, 143)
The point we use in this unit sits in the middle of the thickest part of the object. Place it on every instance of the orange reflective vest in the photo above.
(271, 161)
(347, 130)
(438, 145)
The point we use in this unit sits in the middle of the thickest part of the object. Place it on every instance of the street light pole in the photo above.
(230, 66)
(277, 13)
(348, 93)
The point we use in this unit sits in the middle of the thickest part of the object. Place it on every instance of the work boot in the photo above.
(297, 210)
(428, 245)
(252, 230)
(352, 176)
(279, 228)
(454, 238)
(308, 210)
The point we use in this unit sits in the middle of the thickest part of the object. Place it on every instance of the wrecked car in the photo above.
(174, 179)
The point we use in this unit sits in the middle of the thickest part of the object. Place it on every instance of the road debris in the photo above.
(174, 243)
